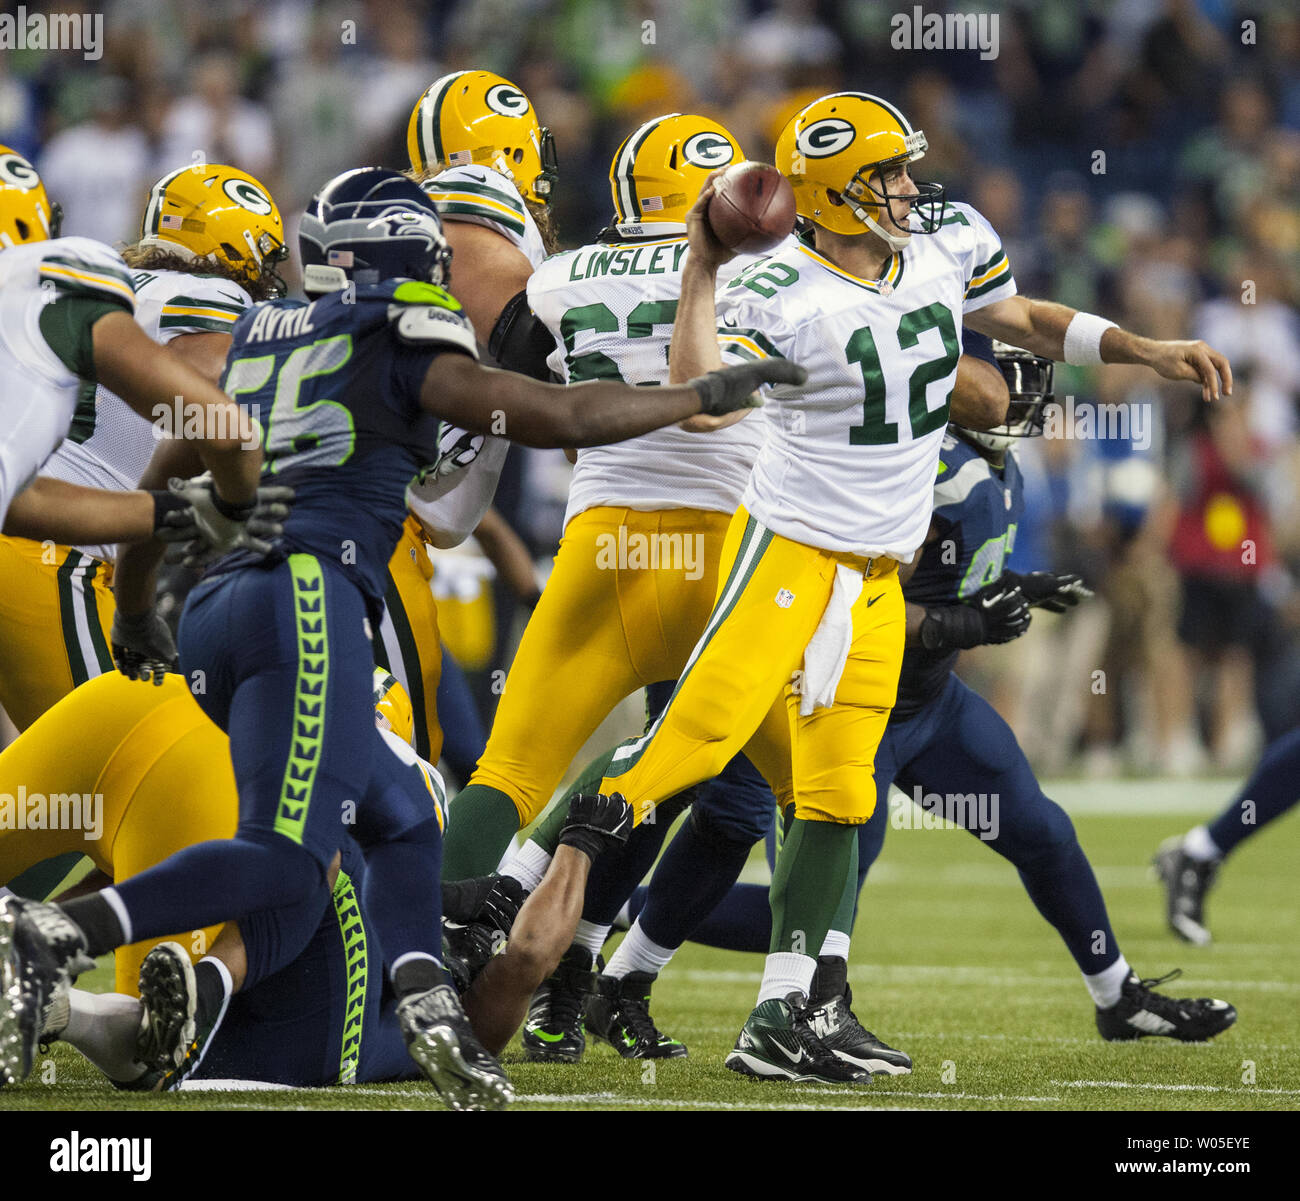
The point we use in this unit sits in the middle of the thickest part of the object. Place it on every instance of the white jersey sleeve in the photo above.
(988, 273)
(486, 197)
(170, 304)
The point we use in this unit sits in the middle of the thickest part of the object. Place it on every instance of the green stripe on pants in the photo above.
(353, 932)
(309, 698)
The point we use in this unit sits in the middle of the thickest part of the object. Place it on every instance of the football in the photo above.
(752, 208)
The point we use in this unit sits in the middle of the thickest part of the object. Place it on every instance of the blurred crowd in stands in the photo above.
(1140, 159)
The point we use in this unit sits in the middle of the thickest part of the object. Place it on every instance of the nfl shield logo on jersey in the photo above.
(784, 598)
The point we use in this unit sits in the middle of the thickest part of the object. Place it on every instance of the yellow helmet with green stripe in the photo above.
(26, 214)
(212, 209)
(658, 171)
(478, 117)
(835, 152)
(392, 706)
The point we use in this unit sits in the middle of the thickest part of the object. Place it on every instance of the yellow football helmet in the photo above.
(211, 209)
(392, 706)
(26, 214)
(477, 117)
(658, 171)
(828, 151)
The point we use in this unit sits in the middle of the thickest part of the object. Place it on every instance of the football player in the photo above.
(478, 150)
(66, 325)
(945, 742)
(350, 385)
(1188, 864)
(210, 240)
(840, 495)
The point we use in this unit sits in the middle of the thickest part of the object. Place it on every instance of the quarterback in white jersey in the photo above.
(57, 609)
(811, 617)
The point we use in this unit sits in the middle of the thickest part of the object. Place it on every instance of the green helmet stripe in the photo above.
(153, 210)
(431, 117)
(626, 165)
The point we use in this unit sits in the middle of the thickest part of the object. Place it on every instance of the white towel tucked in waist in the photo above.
(828, 649)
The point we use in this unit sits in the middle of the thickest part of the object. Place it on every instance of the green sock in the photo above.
(843, 919)
(547, 833)
(480, 824)
(39, 880)
(808, 884)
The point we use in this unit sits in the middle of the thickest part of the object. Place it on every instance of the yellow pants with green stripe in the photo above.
(407, 642)
(772, 596)
(151, 775)
(627, 600)
(56, 609)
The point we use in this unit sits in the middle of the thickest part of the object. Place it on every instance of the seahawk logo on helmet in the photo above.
(836, 153)
(26, 214)
(660, 168)
(212, 209)
(368, 225)
(478, 117)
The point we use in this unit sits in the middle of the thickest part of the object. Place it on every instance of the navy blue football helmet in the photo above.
(367, 225)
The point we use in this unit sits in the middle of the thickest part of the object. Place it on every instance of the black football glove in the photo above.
(143, 647)
(731, 388)
(1050, 590)
(207, 527)
(596, 823)
(997, 613)
(475, 942)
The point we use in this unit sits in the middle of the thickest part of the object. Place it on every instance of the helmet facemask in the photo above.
(1029, 380)
(927, 206)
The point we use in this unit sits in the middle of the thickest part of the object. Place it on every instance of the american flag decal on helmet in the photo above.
(339, 258)
(171, 221)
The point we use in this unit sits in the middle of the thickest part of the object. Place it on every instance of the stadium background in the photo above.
(1190, 225)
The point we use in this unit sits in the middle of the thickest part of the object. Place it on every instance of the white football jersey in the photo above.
(486, 197)
(610, 308)
(38, 389)
(109, 444)
(850, 460)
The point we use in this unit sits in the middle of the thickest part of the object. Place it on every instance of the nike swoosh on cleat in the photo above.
(792, 1058)
(545, 1037)
(1150, 1023)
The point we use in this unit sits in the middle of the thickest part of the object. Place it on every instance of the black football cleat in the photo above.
(619, 1014)
(838, 1028)
(469, 946)
(41, 953)
(1186, 881)
(177, 1027)
(1140, 1012)
(439, 1038)
(553, 1030)
(779, 1043)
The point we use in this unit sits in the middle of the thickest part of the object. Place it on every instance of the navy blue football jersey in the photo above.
(336, 386)
(976, 510)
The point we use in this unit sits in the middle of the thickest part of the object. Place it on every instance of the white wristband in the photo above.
(1083, 339)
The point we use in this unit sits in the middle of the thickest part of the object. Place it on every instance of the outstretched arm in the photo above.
(1041, 326)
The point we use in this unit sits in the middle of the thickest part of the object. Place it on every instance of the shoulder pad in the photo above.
(430, 325)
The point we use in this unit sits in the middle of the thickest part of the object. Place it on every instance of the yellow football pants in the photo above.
(771, 600)
(56, 609)
(407, 642)
(154, 771)
(627, 600)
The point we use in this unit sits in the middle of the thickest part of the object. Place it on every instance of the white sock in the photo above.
(637, 953)
(784, 973)
(1200, 846)
(1105, 985)
(103, 1026)
(591, 935)
(836, 943)
(528, 865)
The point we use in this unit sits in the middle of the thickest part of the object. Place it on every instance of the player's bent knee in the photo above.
(718, 825)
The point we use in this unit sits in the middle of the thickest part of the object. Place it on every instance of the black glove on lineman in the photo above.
(596, 823)
(1050, 590)
(998, 612)
(731, 388)
(207, 527)
(143, 647)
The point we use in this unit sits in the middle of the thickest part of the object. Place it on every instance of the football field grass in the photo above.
(951, 963)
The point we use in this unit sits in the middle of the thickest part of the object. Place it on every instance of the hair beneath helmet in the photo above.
(158, 258)
(659, 169)
(368, 225)
(26, 214)
(218, 212)
(479, 117)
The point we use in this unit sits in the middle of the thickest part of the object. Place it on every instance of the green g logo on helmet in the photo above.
(248, 196)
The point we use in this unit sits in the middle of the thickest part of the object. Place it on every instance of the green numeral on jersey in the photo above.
(757, 278)
(876, 429)
(598, 318)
